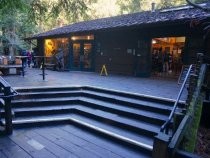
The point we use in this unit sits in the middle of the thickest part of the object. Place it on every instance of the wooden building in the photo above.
(129, 44)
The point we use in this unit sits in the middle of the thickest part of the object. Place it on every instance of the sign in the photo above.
(12, 71)
(103, 70)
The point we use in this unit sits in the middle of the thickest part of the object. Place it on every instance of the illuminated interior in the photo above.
(167, 55)
(87, 37)
(52, 46)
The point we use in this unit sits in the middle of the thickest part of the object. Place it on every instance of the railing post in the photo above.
(43, 68)
(191, 88)
(23, 71)
(199, 62)
(8, 111)
(160, 146)
(178, 117)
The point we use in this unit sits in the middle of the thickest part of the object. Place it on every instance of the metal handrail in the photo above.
(8, 92)
(4, 84)
(167, 123)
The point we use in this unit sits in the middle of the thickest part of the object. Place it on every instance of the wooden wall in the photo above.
(128, 52)
(122, 52)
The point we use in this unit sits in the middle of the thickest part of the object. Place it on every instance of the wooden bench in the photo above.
(49, 63)
(11, 69)
(50, 66)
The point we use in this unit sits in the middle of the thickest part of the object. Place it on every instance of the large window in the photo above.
(54, 46)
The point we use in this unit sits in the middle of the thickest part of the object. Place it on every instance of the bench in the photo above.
(11, 69)
(50, 66)
(50, 63)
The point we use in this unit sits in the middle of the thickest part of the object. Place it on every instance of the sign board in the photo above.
(12, 71)
(183, 73)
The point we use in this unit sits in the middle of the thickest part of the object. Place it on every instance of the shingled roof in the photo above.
(129, 20)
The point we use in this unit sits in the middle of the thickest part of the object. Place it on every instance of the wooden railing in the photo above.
(7, 93)
(166, 126)
(166, 143)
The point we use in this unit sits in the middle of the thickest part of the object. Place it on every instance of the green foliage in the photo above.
(129, 6)
(190, 142)
(22, 18)
(170, 3)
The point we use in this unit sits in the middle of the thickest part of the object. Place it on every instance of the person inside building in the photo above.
(170, 61)
(29, 58)
(60, 59)
(160, 62)
(166, 61)
(23, 54)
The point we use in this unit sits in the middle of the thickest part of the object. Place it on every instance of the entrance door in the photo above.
(82, 56)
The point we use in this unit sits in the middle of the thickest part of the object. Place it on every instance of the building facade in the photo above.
(139, 44)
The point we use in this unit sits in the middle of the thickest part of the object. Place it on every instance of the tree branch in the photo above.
(207, 9)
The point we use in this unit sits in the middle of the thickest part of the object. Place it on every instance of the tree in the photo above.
(201, 22)
(129, 6)
(207, 8)
(21, 18)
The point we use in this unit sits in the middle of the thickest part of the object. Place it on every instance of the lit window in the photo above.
(88, 37)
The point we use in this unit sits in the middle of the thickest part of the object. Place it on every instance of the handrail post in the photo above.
(43, 68)
(23, 71)
(199, 62)
(160, 146)
(8, 111)
(191, 88)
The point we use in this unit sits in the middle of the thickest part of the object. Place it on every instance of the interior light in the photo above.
(154, 41)
(73, 38)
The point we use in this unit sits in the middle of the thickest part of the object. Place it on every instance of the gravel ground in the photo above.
(203, 142)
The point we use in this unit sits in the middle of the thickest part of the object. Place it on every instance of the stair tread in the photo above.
(132, 100)
(121, 98)
(98, 112)
(127, 109)
(113, 106)
(131, 109)
(125, 133)
(44, 99)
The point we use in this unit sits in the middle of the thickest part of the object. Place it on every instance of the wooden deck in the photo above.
(62, 141)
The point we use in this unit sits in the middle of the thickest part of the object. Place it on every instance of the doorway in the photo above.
(82, 56)
(167, 56)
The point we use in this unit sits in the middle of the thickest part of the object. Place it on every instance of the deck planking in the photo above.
(61, 141)
(10, 149)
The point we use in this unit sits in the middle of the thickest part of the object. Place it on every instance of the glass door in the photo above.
(76, 55)
(82, 56)
(87, 55)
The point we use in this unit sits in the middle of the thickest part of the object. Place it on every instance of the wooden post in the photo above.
(160, 146)
(199, 62)
(191, 88)
(23, 72)
(8, 111)
(178, 117)
(43, 68)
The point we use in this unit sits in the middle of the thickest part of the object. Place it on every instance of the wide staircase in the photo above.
(153, 126)
(131, 119)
